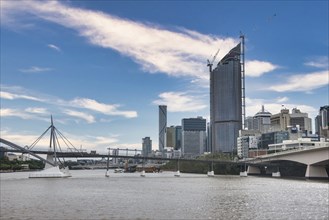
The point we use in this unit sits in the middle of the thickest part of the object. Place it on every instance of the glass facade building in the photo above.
(147, 146)
(193, 136)
(226, 102)
(162, 127)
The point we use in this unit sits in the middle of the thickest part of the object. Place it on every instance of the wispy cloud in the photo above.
(82, 115)
(180, 102)
(185, 54)
(42, 111)
(26, 114)
(8, 112)
(35, 69)
(12, 96)
(11, 93)
(87, 142)
(303, 82)
(282, 99)
(106, 109)
(318, 62)
(54, 47)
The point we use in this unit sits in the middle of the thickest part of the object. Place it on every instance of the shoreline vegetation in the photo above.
(202, 167)
(16, 165)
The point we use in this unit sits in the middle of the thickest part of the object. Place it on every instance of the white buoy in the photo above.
(107, 173)
(244, 174)
(143, 173)
(211, 173)
(177, 174)
(276, 174)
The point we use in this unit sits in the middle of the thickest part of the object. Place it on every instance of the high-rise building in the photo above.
(226, 102)
(317, 121)
(208, 146)
(178, 135)
(193, 136)
(301, 119)
(280, 121)
(322, 122)
(162, 127)
(171, 137)
(283, 121)
(260, 122)
(146, 146)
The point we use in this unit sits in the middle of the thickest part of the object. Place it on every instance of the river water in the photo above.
(90, 195)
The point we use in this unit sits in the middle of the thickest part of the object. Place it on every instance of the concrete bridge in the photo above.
(77, 154)
(315, 158)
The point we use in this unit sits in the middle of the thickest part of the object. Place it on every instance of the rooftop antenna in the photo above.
(212, 61)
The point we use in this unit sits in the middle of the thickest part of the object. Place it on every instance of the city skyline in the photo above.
(102, 68)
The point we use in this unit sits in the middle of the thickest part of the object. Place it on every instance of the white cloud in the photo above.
(106, 109)
(23, 139)
(87, 142)
(42, 111)
(54, 47)
(82, 103)
(35, 69)
(256, 68)
(319, 62)
(27, 114)
(87, 117)
(12, 96)
(303, 82)
(180, 102)
(282, 99)
(7, 112)
(185, 54)
(274, 106)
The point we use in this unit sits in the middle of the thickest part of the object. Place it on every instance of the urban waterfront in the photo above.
(88, 194)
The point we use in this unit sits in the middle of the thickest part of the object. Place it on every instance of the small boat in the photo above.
(243, 174)
(177, 174)
(211, 173)
(276, 174)
(118, 170)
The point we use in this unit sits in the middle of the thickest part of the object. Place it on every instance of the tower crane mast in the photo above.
(212, 61)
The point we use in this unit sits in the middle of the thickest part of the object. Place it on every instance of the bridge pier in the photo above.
(253, 170)
(316, 172)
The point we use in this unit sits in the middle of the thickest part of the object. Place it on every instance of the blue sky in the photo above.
(101, 68)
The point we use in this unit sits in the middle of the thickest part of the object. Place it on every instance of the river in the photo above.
(88, 194)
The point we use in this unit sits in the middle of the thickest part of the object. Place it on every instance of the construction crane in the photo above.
(212, 61)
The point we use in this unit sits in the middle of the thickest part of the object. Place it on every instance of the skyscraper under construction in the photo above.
(226, 101)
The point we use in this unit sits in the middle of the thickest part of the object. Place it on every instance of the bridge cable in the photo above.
(59, 147)
(65, 139)
(38, 139)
